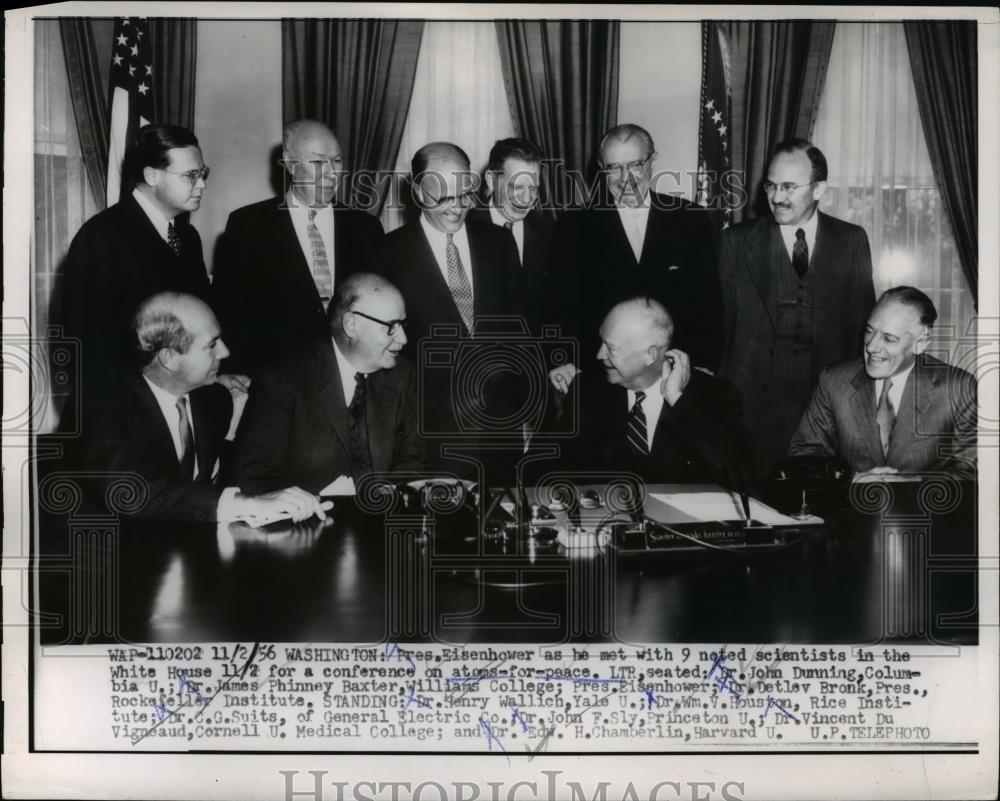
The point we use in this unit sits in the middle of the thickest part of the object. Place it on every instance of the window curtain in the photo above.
(88, 80)
(175, 51)
(943, 58)
(881, 176)
(64, 199)
(778, 69)
(562, 85)
(458, 96)
(357, 77)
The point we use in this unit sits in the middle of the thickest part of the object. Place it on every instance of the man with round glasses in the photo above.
(343, 408)
(142, 245)
(797, 289)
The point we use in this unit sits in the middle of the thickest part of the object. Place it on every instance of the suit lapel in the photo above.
(764, 252)
(331, 396)
(151, 420)
(433, 278)
(862, 404)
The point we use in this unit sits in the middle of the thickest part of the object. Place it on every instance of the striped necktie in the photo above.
(458, 282)
(885, 416)
(320, 263)
(635, 428)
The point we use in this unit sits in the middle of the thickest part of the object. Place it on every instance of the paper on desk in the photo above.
(341, 485)
(709, 506)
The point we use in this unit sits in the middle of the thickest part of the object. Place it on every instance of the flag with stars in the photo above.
(714, 186)
(131, 86)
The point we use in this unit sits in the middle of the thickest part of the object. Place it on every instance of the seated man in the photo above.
(345, 406)
(167, 421)
(896, 409)
(650, 414)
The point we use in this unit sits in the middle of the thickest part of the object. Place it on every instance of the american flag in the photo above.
(713, 133)
(131, 92)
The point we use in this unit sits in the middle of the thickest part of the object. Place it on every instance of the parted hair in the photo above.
(150, 146)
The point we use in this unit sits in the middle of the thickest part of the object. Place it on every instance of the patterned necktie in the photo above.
(320, 264)
(885, 416)
(186, 462)
(635, 428)
(359, 428)
(800, 254)
(173, 239)
(458, 282)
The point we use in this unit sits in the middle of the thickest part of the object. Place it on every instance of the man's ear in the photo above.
(349, 323)
(922, 341)
(167, 357)
(491, 183)
(819, 190)
(151, 175)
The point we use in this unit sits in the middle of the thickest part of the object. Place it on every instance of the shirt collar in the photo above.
(156, 217)
(347, 372)
(898, 381)
(296, 206)
(434, 235)
(808, 227)
(498, 217)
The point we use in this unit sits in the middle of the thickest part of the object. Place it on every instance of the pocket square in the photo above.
(673, 267)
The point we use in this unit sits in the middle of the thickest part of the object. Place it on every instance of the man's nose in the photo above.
(401, 335)
(221, 351)
(602, 352)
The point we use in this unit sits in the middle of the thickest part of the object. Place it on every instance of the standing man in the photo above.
(281, 259)
(635, 241)
(797, 289)
(163, 424)
(344, 407)
(896, 409)
(141, 245)
(513, 175)
(459, 277)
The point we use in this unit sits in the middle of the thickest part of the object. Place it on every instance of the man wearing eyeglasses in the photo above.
(142, 245)
(280, 260)
(341, 409)
(461, 282)
(634, 241)
(797, 289)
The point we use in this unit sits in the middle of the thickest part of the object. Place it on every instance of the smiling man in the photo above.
(160, 429)
(796, 289)
(895, 409)
(280, 260)
(650, 413)
(345, 407)
(141, 245)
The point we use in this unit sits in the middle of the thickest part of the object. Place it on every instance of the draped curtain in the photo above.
(943, 58)
(778, 70)
(561, 78)
(175, 50)
(881, 176)
(357, 77)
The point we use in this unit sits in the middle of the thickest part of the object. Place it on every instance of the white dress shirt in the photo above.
(347, 373)
(299, 212)
(652, 405)
(896, 390)
(635, 220)
(439, 244)
(517, 229)
(808, 228)
(160, 223)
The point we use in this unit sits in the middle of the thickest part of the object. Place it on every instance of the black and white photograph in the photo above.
(500, 401)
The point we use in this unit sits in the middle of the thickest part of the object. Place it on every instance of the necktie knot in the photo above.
(640, 396)
(800, 235)
(449, 238)
(312, 214)
(508, 225)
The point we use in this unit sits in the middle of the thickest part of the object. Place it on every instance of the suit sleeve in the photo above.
(262, 438)
(109, 452)
(817, 430)
(709, 421)
(231, 288)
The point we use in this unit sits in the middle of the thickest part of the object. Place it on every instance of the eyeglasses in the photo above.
(392, 326)
(787, 187)
(192, 176)
(632, 167)
(465, 199)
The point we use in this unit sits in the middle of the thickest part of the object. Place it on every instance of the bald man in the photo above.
(456, 275)
(164, 424)
(344, 408)
(280, 260)
(647, 412)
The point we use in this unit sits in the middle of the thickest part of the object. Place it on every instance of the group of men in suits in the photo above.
(366, 352)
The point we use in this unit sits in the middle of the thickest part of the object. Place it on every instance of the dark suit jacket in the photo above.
(263, 285)
(748, 254)
(538, 229)
(117, 260)
(935, 428)
(594, 267)
(296, 427)
(699, 439)
(124, 431)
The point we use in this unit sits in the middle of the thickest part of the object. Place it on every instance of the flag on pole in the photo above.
(131, 99)
(715, 182)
